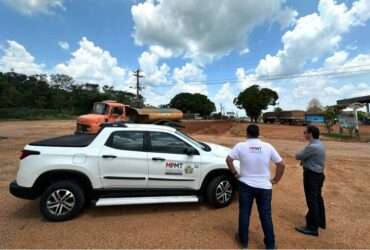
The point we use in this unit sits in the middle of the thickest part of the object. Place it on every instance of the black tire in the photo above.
(65, 212)
(213, 190)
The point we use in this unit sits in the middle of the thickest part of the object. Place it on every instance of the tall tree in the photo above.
(193, 103)
(315, 106)
(254, 99)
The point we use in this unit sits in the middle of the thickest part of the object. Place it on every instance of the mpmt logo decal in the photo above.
(173, 165)
(255, 149)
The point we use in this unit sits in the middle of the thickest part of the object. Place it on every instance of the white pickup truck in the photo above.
(121, 165)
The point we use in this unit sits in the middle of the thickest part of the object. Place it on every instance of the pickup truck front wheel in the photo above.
(220, 191)
(62, 201)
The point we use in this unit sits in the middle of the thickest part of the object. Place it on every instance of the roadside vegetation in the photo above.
(54, 96)
(59, 96)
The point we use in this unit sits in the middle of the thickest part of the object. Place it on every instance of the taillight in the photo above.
(26, 153)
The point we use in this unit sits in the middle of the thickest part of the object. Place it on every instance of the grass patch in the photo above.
(345, 137)
(34, 114)
(338, 136)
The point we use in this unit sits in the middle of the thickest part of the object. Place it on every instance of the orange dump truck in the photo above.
(112, 111)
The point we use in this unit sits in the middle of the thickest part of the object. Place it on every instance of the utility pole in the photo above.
(139, 102)
(221, 109)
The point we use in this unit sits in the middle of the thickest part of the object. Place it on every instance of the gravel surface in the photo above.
(347, 195)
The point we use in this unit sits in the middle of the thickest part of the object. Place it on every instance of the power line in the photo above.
(335, 73)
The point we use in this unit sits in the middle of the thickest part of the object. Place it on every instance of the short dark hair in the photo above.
(314, 131)
(253, 131)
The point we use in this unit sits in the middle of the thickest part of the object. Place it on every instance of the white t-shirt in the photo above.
(255, 156)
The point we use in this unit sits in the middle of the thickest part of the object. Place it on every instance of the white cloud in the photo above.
(17, 58)
(244, 51)
(188, 78)
(362, 60)
(160, 51)
(188, 73)
(30, 7)
(63, 45)
(225, 96)
(286, 17)
(314, 35)
(224, 93)
(328, 89)
(90, 63)
(203, 30)
(246, 80)
(154, 74)
(337, 59)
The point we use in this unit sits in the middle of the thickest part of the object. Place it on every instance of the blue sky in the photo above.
(194, 46)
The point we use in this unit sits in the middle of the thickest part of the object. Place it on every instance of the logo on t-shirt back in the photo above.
(255, 149)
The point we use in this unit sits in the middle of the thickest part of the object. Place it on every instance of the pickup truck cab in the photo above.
(121, 165)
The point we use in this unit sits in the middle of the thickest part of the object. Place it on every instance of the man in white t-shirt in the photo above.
(255, 182)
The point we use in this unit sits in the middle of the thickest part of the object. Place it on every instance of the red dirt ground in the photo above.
(346, 192)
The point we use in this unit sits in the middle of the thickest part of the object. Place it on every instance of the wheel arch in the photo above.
(214, 173)
(51, 176)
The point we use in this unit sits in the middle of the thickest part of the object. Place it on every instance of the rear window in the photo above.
(126, 140)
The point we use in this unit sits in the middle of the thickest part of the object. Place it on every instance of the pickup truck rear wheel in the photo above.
(62, 201)
(220, 191)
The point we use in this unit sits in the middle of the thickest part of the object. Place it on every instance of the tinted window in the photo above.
(167, 143)
(100, 108)
(127, 140)
(117, 111)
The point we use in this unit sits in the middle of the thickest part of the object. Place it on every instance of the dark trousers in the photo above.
(313, 183)
(263, 199)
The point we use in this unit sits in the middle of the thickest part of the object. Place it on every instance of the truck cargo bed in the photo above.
(79, 140)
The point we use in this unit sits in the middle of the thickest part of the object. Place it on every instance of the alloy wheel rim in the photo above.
(60, 202)
(224, 191)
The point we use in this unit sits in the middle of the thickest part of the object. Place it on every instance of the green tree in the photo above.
(254, 99)
(278, 109)
(331, 117)
(315, 106)
(23, 96)
(362, 116)
(193, 103)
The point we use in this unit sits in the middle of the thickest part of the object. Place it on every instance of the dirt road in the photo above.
(347, 195)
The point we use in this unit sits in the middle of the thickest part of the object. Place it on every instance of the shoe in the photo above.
(272, 248)
(307, 231)
(241, 244)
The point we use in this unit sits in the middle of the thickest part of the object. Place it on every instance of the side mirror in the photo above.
(190, 151)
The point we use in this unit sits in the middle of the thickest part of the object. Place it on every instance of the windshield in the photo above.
(202, 145)
(100, 108)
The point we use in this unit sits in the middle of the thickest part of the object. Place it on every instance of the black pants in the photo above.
(313, 183)
(263, 199)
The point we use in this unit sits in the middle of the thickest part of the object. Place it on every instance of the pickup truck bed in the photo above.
(81, 140)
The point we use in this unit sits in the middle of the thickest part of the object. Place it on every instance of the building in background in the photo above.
(315, 117)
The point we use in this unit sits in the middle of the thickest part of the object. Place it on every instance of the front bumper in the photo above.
(22, 192)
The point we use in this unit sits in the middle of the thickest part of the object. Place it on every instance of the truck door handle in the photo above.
(109, 156)
(158, 159)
